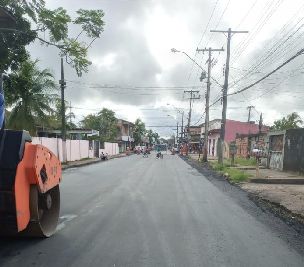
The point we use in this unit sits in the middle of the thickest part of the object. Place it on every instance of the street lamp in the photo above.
(180, 111)
(174, 50)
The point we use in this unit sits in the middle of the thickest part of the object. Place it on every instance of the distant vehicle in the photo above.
(159, 155)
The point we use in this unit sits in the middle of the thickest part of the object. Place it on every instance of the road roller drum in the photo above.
(29, 186)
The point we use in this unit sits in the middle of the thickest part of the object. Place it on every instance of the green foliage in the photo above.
(52, 23)
(292, 121)
(235, 175)
(29, 92)
(12, 48)
(91, 22)
(245, 162)
(153, 136)
(219, 167)
(138, 131)
(105, 122)
(56, 21)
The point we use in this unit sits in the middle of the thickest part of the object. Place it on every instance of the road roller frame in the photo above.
(29, 186)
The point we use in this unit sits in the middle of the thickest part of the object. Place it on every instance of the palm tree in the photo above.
(29, 93)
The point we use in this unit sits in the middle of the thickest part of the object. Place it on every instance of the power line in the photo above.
(211, 38)
(212, 13)
(262, 59)
(270, 73)
(94, 85)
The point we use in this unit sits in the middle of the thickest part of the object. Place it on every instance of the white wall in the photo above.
(110, 149)
(76, 149)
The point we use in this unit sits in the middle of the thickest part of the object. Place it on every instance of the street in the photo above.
(137, 211)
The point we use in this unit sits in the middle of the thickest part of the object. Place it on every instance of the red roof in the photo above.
(238, 127)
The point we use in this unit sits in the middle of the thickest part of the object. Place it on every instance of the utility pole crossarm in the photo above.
(207, 49)
(228, 31)
(189, 91)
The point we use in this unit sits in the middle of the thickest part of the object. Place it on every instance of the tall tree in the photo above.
(34, 20)
(153, 136)
(29, 93)
(292, 121)
(156, 137)
(139, 131)
(105, 122)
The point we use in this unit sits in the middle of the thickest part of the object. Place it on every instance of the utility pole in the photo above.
(177, 138)
(70, 113)
(249, 112)
(63, 126)
(182, 129)
(210, 50)
(225, 90)
(192, 97)
(261, 123)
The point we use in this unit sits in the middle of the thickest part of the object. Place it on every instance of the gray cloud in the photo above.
(124, 39)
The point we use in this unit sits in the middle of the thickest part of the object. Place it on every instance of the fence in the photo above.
(110, 149)
(75, 149)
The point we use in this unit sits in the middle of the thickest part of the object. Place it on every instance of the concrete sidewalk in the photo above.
(268, 176)
(79, 163)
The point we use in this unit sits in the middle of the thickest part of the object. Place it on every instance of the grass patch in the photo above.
(234, 175)
(218, 167)
(245, 162)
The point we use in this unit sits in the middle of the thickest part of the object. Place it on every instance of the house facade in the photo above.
(194, 137)
(247, 142)
(125, 135)
(232, 129)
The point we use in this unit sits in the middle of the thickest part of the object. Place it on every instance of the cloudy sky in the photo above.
(147, 80)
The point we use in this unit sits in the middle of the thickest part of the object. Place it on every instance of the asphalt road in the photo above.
(137, 211)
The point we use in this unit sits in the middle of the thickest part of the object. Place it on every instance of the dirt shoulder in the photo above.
(289, 196)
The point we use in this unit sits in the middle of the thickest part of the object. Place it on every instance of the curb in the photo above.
(290, 181)
(81, 164)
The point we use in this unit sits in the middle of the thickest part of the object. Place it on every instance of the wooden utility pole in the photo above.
(182, 127)
(63, 126)
(177, 138)
(249, 112)
(225, 90)
(210, 50)
(192, 97)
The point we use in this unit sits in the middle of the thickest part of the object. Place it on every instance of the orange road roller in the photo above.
(29, 186)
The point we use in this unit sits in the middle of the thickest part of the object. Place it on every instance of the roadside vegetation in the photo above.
(233, 174)
(245, 162)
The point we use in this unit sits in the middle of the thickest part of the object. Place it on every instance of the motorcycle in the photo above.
(159, 155)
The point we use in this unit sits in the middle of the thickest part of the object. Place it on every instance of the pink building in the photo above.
(231, 130)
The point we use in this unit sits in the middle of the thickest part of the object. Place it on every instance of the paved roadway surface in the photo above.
(137, 211)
